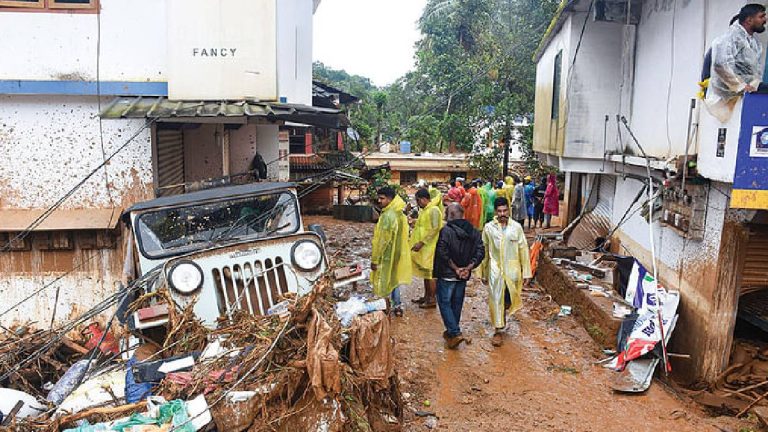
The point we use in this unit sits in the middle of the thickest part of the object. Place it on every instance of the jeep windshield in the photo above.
(173, 231)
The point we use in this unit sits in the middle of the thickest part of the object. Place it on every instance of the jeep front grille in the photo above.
(251, 286)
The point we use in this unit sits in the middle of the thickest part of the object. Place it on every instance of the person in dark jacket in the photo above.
(459, 250)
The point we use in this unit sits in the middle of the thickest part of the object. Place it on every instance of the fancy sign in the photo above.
(222, 49)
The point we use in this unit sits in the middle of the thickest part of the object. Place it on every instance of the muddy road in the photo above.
(542, 379)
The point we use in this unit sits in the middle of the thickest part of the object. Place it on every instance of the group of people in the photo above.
(535, 203)
(473, 229)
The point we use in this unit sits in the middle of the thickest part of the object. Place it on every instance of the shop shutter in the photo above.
(597, 220)
(755, 273)
(170, 162)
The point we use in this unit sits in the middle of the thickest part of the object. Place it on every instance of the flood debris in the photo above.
(619, 302)
(297, 370)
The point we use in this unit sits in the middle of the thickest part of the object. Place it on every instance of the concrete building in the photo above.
(408, 168)
(172, 93)
(604, 60)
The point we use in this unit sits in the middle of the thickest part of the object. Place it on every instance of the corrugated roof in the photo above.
(161, 107)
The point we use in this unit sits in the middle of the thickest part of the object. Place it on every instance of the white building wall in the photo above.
(294, 47)
(672, 250)
(668, 68)
(61, 46)
(50, 143)
(78, 292)
(593, 89)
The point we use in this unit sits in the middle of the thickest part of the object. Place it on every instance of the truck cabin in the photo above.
(224, 250)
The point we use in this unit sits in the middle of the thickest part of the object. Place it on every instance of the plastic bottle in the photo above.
(67, 383)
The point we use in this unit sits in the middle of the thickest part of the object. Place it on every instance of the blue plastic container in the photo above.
(405, 146)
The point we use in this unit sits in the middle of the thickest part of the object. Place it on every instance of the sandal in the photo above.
(398, 312)
(419, 300)
(430, 305)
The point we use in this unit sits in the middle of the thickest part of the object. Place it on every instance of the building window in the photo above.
(407, 177)
(556, 85)
(36, 5)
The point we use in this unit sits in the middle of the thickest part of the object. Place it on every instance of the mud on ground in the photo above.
(542, 379)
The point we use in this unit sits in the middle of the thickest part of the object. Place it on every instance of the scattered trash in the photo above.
(621, 310)
(68, 382)
(348, 310)
(186, 377)
(431, 422)
(280, 309)
(565, 311)
(427, 403)
(30, 407)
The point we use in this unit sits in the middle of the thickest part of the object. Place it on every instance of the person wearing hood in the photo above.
(506, 267)
(391, 254)
(423, 241)
(473, 207)
(519, 205)
(459, 250)
(530, 200)
(508, 188)
(490, 193)
(551, 200)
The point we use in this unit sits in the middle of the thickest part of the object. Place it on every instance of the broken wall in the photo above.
(690, 266)
(49, 144)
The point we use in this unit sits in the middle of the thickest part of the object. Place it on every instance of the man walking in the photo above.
(506, 268)
(391, 255)
(423, 241)
(459, 250)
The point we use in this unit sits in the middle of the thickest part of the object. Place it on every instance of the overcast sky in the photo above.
(372, 38)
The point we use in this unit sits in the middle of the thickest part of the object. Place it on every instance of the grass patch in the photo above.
(563, 369)
(595, 332)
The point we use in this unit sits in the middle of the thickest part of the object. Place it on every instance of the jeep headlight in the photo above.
(185, 277)
(306, 255)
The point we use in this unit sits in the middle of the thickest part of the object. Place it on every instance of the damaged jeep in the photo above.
(223, 250)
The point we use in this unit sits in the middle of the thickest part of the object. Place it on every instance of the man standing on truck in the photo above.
(391, 254)
(423, 241)
(506, 268)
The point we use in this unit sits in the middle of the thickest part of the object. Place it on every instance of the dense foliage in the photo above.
(474, 75)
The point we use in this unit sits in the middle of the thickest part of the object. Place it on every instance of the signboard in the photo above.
(750, 180)
(222, 49)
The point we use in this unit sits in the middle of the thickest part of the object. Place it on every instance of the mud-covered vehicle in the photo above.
(228, 249)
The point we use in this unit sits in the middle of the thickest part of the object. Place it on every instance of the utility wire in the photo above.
(40, 219)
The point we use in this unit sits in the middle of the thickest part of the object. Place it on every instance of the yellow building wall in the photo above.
(548, 133)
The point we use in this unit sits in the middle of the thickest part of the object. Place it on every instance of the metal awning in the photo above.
(162, 108)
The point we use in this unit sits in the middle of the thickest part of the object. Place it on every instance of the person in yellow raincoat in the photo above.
(506, 267)
(508, 189)
(423, 242)
(391, 254)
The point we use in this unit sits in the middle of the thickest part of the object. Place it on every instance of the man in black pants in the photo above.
(459, 250)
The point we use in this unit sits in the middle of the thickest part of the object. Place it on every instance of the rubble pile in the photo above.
(741, 387)
(300, 369)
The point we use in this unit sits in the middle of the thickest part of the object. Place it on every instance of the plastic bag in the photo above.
(348, 310)
(173, 412)
(134, 391)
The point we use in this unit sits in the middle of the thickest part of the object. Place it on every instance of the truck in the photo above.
(223, 250)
